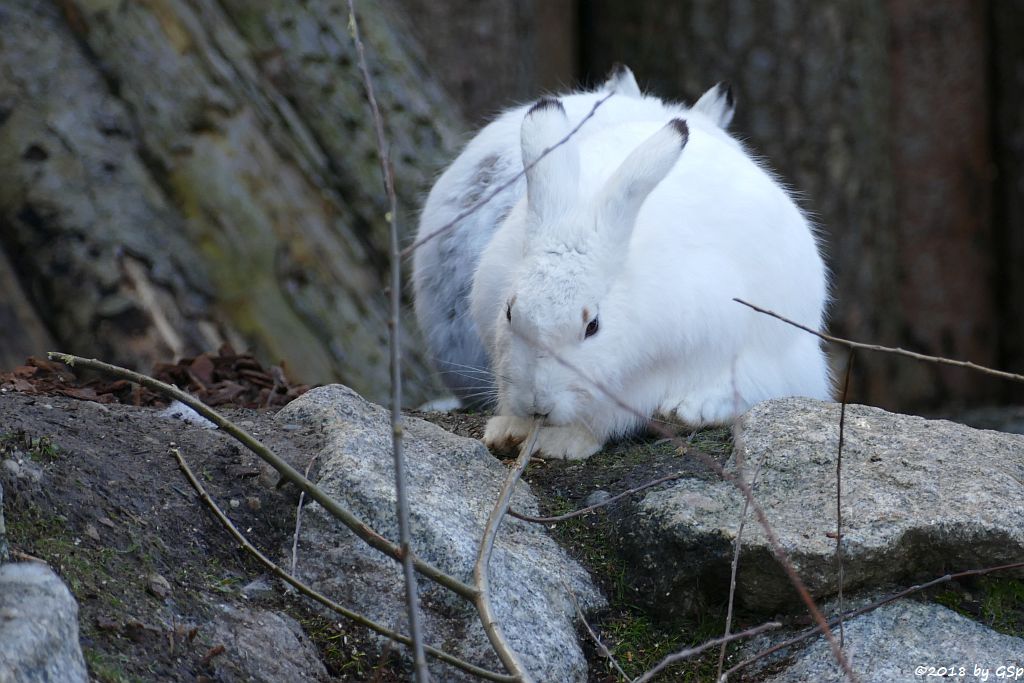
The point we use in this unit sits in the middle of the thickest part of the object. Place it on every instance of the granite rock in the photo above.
(453, 483)
(263, 647)
(38, 627)
(903, 641)
(920, 498)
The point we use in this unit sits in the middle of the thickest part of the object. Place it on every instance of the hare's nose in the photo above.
(541, 405)
(541, 416)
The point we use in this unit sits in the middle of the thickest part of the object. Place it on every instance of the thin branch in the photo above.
(316, 595)
(298, 517)
(481, 578)
(25, 557)
(887, 349)
(839, 490)
(734, 566)
(356, 525)
(690, 652)
(605, 652)
(872, 607)
(591, 508)
(736, 563)
(394, 341)
(450, 225)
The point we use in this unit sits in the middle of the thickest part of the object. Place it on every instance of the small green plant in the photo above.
(995, 601)
(105, 668)
(715, 441)
(41, 449)
(638, 644)
(227, 584)
(951, 599)
(342, 650)
(1002, 604)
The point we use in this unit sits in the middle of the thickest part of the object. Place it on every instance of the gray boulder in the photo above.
(453, 483)
(920, 497)
(263, 647)
(38, 627)
(905, 641)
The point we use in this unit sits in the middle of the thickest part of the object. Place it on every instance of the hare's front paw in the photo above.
(505, 432)
(699, 411)
(567, 443)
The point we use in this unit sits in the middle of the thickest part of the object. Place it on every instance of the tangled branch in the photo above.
(312, 593)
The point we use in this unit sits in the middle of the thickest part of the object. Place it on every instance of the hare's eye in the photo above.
(508, 311)
(591, 328)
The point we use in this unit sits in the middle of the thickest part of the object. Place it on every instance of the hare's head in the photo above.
(554, 324)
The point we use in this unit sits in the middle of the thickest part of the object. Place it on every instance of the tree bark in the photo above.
(212, 161)
(842, 99)
(943, 177)
(491, 54)
(98, 250)
(1007, 22)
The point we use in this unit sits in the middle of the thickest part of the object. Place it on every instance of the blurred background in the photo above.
(177, 174)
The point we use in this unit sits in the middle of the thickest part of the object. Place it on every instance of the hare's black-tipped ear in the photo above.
(625, 192)
(551, 159)
(718, 104)
(622, 82)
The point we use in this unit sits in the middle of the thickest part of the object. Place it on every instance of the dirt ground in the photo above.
(99, 498)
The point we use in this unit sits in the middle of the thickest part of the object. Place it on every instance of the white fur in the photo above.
(654, 238)
(717, 104)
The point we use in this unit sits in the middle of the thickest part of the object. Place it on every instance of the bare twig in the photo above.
(450, 225)
(401, 490)
(887, 349)
(736, 563)
(595, 506)
(356, 525)
(839, 490)
(378, 670)
(481, 578)
(605, 652)
(692, 651)
(872, 607)
(298, 517)
(738, 541)
(25, 557)
(316, 595)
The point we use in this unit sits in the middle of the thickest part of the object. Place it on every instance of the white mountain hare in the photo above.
(598, 291)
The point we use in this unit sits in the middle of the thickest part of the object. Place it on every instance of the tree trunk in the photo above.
(490, 54)
(1007, 23)
(207, 171)
(836, 97)
(93, 241)
(942, 161)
